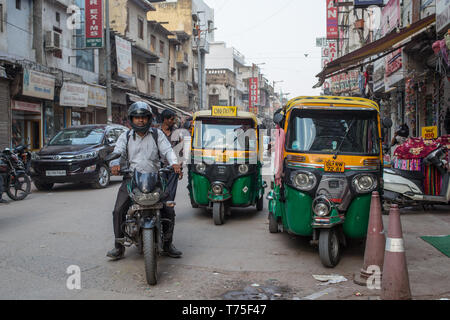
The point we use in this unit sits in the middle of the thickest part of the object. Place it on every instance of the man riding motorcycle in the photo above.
(140, 150)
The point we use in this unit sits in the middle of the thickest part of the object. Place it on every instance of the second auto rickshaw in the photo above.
(225, 169)
(329, 163)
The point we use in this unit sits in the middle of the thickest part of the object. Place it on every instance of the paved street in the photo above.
(43, 235)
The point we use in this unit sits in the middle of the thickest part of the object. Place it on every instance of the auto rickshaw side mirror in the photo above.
(387, 123)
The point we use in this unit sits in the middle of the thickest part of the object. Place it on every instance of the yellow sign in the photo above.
(334, 166)
(219, 111)
(429, 133)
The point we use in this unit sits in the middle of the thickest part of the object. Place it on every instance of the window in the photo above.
(18, 4)
(152, 83)
(85, 58)
(161, 48)
(57, 17)
(140, 28)
(141, 71)
(153, 43)
(161, 87)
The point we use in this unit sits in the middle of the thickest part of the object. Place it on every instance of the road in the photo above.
(46, 233)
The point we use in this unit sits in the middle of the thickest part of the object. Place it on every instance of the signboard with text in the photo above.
(253, 95)
(74, 95)
(332, 20)
(123, 53)
(37, 84)
(93, 23)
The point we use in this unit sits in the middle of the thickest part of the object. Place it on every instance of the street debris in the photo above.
(329, 279)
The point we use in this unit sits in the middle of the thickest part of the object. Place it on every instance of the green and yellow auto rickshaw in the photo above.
(225, 168)
(327, 164)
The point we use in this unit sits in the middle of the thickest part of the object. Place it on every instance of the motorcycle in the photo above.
(404, 187)
(16, 182)
(22, 152)
(143, 223)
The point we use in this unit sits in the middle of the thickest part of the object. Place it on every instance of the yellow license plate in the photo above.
(219, 111)
(334, 166)
(222, 158)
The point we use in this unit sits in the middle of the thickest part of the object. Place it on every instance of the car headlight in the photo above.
(243, 169)
(89, 155)
(217, 189)
(304, 181)
(321, 206)
(364, 183)
(201, 167)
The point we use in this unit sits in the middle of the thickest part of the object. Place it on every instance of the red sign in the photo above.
(253, 95)
(332, 20)
(394, 62)
(26, 106)
(94, 23)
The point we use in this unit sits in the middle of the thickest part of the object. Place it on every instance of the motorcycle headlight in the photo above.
(146, 199)
(243, 169)
(201, 167)
(364, 183)
(217, 189)
(304, 181)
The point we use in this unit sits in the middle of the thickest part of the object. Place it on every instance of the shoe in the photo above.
(116, 254)
(171, 251)
(3, 201)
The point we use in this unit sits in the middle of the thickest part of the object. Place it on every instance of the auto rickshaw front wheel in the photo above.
(219, 213)
(329, 247)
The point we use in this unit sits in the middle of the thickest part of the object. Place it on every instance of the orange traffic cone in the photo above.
(395, 282)
(375, 244)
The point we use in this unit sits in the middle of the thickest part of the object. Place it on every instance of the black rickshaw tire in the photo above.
(273, 224)
(329, 247)
(218, 213)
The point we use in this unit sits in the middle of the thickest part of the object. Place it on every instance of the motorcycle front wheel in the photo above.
(150, 255)
(18, 187)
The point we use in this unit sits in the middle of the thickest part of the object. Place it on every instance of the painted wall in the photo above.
(18, 26)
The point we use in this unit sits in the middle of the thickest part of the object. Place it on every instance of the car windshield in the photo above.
(333, 131)
(225, 134)
(78, 136)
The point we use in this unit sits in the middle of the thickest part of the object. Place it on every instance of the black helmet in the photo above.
(403, 131)
(140, 109)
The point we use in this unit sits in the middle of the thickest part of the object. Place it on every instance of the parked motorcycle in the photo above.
(405, 188)
(143, 223)
(24, 154)
(17, 183)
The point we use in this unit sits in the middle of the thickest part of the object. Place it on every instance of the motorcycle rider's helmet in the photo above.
(403, 131)
(140, 109)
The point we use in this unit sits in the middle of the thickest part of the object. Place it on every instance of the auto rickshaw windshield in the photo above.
(225, 134)
(351, 132)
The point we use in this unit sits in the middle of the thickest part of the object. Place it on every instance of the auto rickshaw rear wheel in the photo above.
(219, 213)
(329, 247)
(273, 224)
(260, 204)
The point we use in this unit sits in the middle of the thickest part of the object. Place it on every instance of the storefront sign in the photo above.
(94, 23)
(74, 95)
(390, 17)
(26, 106)
(442, 14)
(394, 62)
(367, 3)
(332, 20)
(123, 52)
(253, 95)
(39, 85)
(429, 133)
(97, 96)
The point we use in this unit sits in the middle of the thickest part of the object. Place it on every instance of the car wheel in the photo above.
(103, 178)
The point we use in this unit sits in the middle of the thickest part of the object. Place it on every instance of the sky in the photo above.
(278, 33)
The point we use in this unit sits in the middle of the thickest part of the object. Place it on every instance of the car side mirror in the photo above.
(387, 123)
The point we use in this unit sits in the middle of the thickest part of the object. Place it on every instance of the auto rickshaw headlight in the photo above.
(305, 181)
(321, 206)
(364, 183)
(217, 189)
(243, 169)
(201, 167)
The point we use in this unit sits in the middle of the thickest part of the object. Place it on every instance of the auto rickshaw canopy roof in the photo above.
(240, 115)
(329, 102)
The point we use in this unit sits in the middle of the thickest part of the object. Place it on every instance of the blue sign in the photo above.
(368, 3)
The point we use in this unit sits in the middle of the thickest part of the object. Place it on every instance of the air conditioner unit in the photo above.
(53, 40)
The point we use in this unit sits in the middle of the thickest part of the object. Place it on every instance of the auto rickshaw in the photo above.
(327, 164)
(226, 161)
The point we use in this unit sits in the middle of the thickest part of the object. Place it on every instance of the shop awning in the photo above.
(389, 43)
(161, 106)
(136, 98)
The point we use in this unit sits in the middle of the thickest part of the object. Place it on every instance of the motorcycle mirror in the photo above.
(278, 119)
(387, 123)
(110, 140)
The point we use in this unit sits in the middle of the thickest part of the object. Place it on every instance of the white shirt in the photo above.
(142, 152)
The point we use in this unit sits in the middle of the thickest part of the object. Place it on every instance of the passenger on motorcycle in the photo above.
(140, 151)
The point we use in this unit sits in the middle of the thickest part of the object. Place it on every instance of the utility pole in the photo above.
(200, 75)
(108, 66)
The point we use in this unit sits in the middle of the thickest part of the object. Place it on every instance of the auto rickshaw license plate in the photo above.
(334, 166)
(219, 111)
(221, 158)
